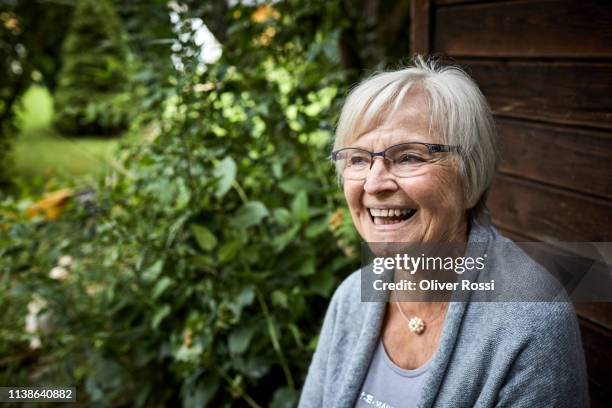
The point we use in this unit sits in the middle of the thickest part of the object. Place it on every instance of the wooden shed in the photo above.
(545, 67)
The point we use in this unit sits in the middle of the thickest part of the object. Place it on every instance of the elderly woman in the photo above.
(416, 152)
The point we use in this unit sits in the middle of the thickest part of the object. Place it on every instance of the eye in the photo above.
(357, 160)
(409, 159)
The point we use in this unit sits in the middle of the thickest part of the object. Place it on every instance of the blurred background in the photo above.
(171, 228)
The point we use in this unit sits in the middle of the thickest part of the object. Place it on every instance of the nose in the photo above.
(379, 178)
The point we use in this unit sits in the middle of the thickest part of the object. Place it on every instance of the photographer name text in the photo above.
(434, 285)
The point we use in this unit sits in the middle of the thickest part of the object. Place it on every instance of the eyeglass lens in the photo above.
(403, 160)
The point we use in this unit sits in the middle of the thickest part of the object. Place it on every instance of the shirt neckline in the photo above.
(403, 371)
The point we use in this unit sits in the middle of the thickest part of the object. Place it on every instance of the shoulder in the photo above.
(349, 314)
(530, 299)
(551, 323)
(536, 321)
(518, 277)
(347, 297)
(541, 353)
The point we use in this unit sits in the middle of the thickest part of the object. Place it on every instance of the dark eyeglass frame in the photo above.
(432, 147)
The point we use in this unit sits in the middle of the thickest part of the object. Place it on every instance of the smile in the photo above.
(386, 216)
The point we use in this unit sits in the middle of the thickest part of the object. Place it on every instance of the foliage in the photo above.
(95, 58)
(199, 274)
(30, 34)
(41, 154)
(150, 37)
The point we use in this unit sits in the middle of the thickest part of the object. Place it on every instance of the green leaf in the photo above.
(254, 366)
(308, 267)
(282, 240)
(299, 206)
(280, 299)
(229, 250)
(161, 286)
(312, 344)
(284, 397)
(160, 315)
(240, 338)
(317, 228)
(322, 284)
(246, 296)
(203, 261)
(277, 170)
(296, 335)
(296, 184)
(249, 214)
(153, 271)
(226, 173)
(205, 239)
(202, 393)
(282, 216)
(250, 255)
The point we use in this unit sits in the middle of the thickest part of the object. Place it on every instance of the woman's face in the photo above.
(433, 193)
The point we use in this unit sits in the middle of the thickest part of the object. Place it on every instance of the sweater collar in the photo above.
(371, 328)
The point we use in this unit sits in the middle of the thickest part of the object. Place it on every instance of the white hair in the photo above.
(459, 116)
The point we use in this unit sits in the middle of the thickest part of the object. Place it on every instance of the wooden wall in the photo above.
(545, 67)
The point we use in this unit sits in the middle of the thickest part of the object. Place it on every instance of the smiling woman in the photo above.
(429, 186)
(415, 151)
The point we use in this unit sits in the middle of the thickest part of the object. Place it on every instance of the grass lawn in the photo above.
(40, 152)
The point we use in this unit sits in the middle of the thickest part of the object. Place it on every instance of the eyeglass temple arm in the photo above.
(435, 148)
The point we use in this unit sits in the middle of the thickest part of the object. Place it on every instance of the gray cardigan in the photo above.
(503, 354)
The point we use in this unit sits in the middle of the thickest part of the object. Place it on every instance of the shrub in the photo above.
(14, 80)
(93, 96)
(29, 39)
(199, 274)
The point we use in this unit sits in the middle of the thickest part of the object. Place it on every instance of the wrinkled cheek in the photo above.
(353, 200)
(449, 194)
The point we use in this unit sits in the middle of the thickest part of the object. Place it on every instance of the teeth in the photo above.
(378, 212)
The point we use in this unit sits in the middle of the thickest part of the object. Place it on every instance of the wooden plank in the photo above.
(549, 214)
(600, 397)
(568, 263)
(442, 3)
(596, 342)
(572, 158)
(578, 94)
(535, 28)
(595, 321)
(420, 26)
(513, 235)
(596, 312)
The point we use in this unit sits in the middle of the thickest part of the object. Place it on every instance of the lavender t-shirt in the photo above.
(389, 386)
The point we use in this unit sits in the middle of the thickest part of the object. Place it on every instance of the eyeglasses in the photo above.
(405, 158)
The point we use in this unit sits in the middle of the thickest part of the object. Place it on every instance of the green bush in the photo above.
(29, 39)
(201, 272)
(7, 134)
(93, 95)
(13, 82)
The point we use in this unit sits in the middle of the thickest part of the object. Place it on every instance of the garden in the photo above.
(171, 227)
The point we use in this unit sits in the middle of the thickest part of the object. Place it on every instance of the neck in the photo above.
(453, 246)
(430, 312)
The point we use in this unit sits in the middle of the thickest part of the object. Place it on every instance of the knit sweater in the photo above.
(502, 354)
